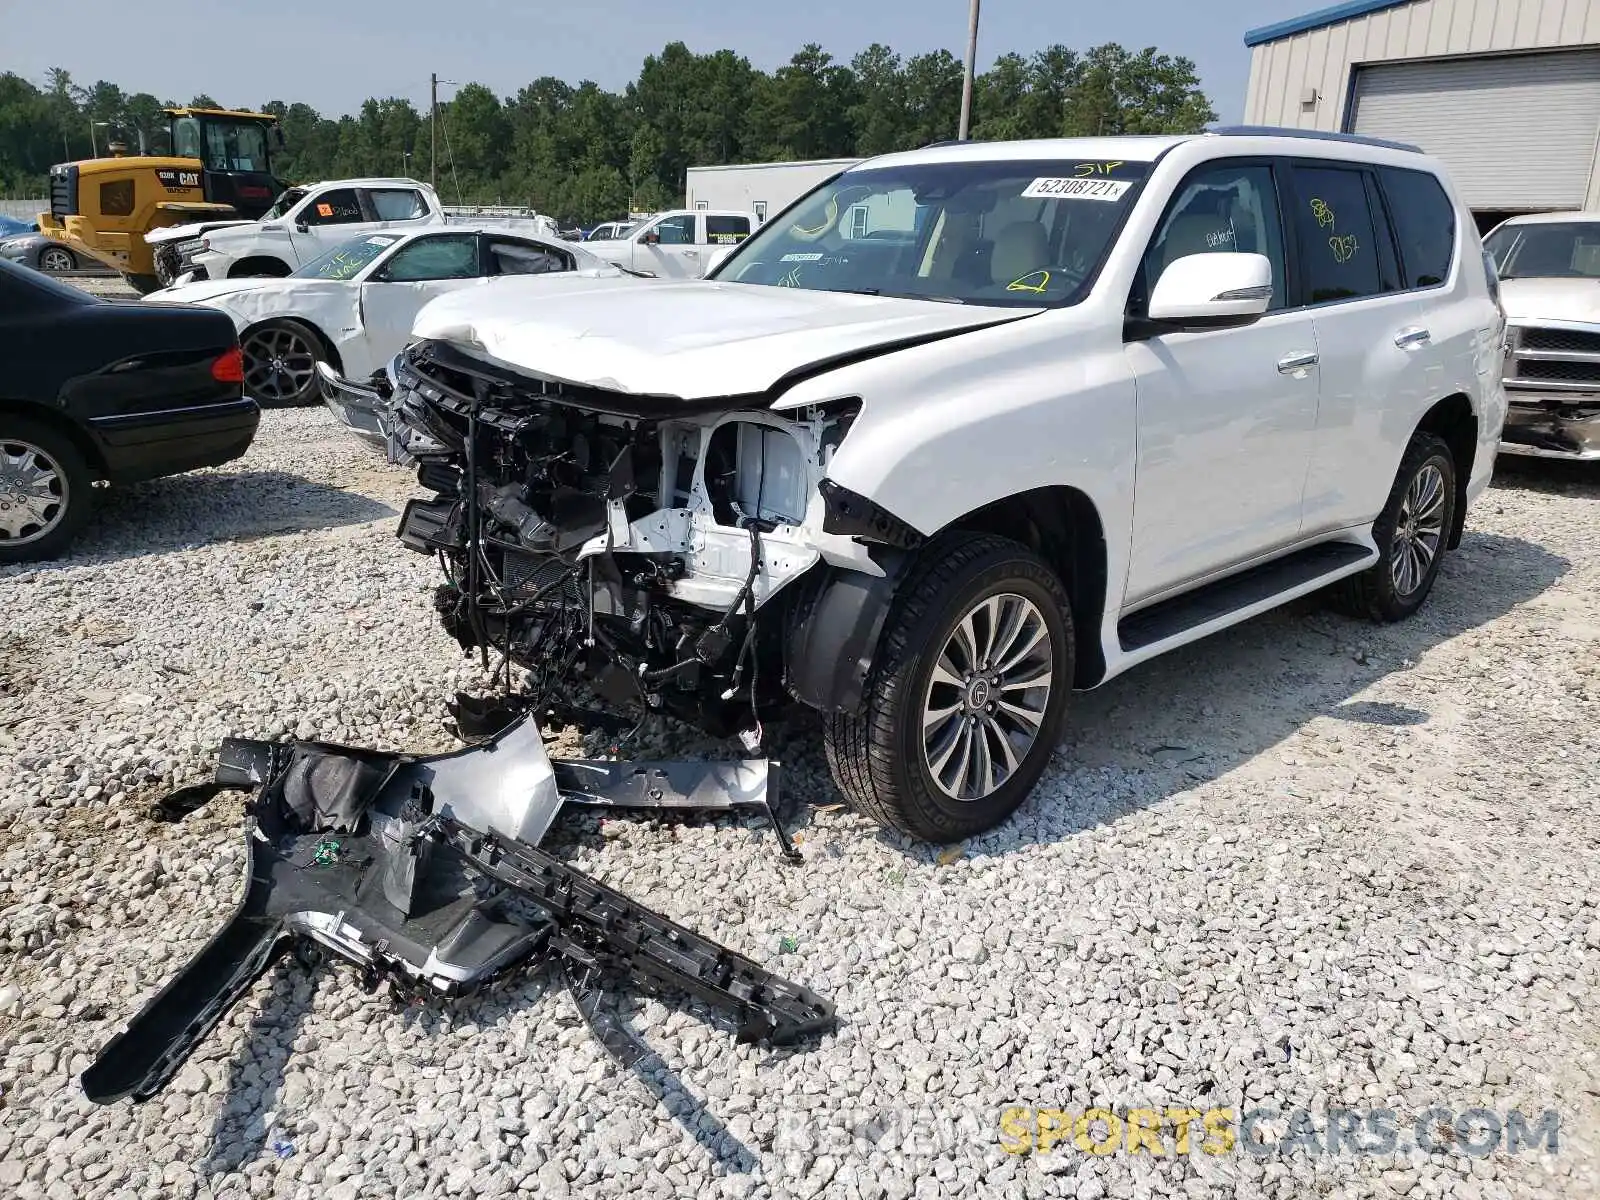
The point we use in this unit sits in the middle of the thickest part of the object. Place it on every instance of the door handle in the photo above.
(1297, 362)
(1413, 337)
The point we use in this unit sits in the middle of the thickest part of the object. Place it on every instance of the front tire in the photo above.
(57, 258)
(280, 363)
(1412, 533)
(964, 703)
(44, 491)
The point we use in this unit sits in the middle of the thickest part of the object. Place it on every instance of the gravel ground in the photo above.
(1309, 864)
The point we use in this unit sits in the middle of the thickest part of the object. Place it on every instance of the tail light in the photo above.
(229, 368)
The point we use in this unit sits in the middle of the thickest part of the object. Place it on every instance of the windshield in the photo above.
(1017, 234)
(346, 260)
(282, 205)
(1557, 250)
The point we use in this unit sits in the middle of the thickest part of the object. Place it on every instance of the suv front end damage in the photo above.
(426, 872)
(627, 544)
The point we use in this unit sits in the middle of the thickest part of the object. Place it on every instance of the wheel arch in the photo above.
(259, 265)
(836, 622)
(1453, 420)
(1062, 526)
(57, 420)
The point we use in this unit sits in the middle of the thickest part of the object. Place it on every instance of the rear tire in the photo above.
(57, 258)
(946, 745)
(44, 491)
(143, 284)
(1412, 533)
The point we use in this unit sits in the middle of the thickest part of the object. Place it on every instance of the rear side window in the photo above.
(397, 204)
(1424, 221)
(1339, 249)
(524, 258)
(727, 231)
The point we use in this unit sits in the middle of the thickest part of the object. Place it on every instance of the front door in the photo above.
(327, 220)
(421, 270)
(674, 251)
(1225, 417)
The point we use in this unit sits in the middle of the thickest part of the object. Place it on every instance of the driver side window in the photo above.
(676, 231)
(442, 256)
(1220, 207)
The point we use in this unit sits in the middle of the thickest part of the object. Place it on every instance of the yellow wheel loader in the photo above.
(220, 169)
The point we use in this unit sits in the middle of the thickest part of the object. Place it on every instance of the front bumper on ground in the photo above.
(1540, 427)
(425, 871)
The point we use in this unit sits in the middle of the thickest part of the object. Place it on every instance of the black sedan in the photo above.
(96, 392)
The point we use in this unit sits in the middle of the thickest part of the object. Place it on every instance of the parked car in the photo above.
(353, 307)
(682, 244)
(11, 227)
(23, 243)
(1549, 268)
(304, 223)
(100, 392)
(608, 231)
(1114, 395)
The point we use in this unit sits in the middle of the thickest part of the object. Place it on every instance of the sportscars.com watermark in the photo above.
(1273, 1133)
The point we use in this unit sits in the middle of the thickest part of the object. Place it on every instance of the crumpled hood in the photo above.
(181, 233)
(692, 339)
(206, 290)
(1535, 299)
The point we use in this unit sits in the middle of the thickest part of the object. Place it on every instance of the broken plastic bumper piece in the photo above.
(426, 872)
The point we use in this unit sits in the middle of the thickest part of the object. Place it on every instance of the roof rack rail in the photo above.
(1313, 134)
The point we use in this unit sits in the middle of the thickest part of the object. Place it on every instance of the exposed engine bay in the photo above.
(648, 548)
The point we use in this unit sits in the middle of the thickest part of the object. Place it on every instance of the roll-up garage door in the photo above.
(1517, 131)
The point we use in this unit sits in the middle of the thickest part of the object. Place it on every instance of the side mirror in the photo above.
(1212, 291)
(650, 238)
(301, 227)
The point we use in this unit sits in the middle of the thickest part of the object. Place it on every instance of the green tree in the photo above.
(878, 114)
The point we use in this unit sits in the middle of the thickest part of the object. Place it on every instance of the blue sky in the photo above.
(335, 54)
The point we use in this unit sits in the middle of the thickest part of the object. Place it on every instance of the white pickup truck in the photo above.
(683, 243)
(302, 225)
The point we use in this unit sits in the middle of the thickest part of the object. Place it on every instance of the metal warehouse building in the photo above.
(1506, 92)
(763, 189)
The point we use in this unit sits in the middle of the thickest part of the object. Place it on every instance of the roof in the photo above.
(1316, 20)
(1552, 218)
(1143, 148)
(805, 162)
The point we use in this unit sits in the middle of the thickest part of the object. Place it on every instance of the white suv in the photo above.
(965, 429)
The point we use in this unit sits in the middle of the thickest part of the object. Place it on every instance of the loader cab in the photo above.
(235, 154)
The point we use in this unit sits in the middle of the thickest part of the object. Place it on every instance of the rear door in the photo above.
(1376, 351)
(421, 270)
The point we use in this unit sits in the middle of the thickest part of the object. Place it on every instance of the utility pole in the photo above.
(972, 66)
(433, 131)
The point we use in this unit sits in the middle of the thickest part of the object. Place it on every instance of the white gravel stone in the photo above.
(1307, 863)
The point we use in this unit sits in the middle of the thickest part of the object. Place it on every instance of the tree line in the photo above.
(585, 152)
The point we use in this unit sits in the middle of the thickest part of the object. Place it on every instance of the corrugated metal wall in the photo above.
(1322, 58)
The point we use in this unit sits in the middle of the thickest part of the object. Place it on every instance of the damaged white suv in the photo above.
(961, 431)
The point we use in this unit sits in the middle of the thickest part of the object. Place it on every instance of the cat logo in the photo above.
(177, 181)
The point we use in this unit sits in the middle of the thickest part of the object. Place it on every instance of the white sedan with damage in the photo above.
(351, 310)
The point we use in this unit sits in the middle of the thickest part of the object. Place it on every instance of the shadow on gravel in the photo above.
(1553, 476)
(1197, 713)
(255, 1076)
(207, 507)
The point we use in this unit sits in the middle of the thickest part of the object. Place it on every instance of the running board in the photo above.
(1239, 595)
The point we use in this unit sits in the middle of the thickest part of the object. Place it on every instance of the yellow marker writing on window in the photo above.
(1322, 213)
(1035, 281)
(1104, 168)
(1344, 248)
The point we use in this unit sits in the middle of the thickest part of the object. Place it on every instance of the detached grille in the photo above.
(64, 190)
(1554, 361)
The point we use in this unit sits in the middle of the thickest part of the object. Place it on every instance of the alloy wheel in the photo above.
(33, 493)
(279, 365)
(1418, 530)
(986, 701)
(53, 258)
